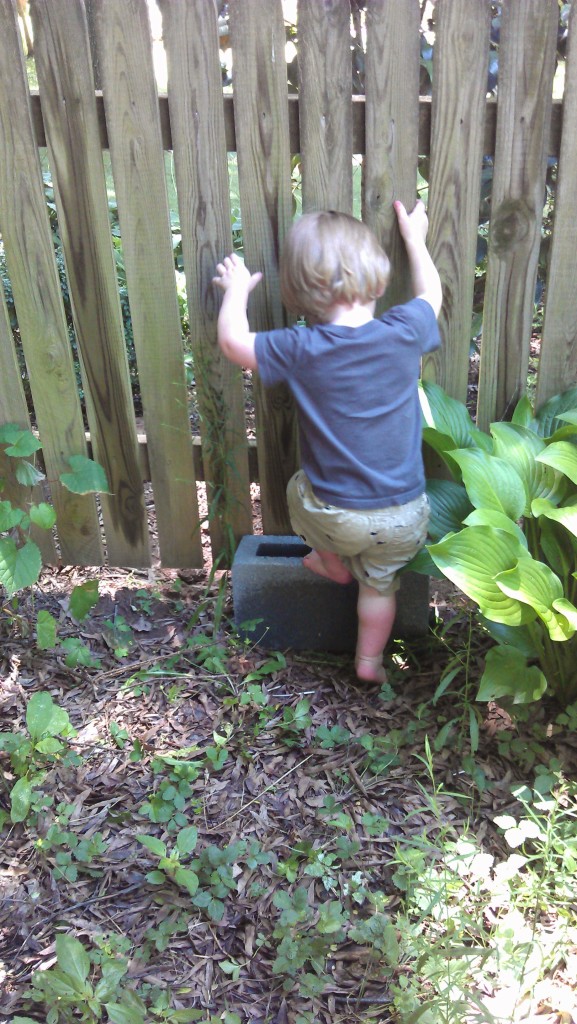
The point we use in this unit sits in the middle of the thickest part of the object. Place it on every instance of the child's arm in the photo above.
(234, 336)
(424, 274)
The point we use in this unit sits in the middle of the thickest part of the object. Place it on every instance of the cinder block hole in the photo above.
(282, 550)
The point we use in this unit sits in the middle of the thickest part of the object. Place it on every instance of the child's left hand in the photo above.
(232, 273)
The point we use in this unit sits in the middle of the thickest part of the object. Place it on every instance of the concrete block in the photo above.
(302, 611)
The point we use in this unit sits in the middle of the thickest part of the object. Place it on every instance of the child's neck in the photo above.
(354, 314)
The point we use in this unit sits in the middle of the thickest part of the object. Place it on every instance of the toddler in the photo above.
(359, 499)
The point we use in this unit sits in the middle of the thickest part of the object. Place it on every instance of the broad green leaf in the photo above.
(23, 445)
(449, 507)
(28, 475)
(83, 597)
(449, 417)
(523, 414)
(536, 585)
(73, 959)
(49, 745)
(491, 482)
(567, 610)
(566, 515)
(562, 456)
(119, 1014)
(519, 448)
(511, 636)
(19, 567)
(9, 516)
(497, 520)
(20, 799)
(43, 515)
(558, 546)
(87, 477)
(547, 419)
(9, 433)
(472, 559)
(45, 718)
(156, 846)
(187, 879)
(423, 564)
(508, 675)
(187, 839)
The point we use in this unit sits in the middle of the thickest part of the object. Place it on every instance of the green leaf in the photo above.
(9, 433)
(23, 445)
(535, 584)
(497, 520)
(508, 675)
(520, 447)
(28, 475)
(83, 597)
(446, 416)
(9, 516)
(156, 846)
(19, 567)
(449, 507)
(45, 631)
(119, 1014)
(562, 456)
(491, 482)
(187, 879)
(472, 559)
(73, 959)
(87, 477)
(548, 417)
(523, 413)
(566, 515)
(187, 839)
(20, 799)
(45, 718)
(43, 515)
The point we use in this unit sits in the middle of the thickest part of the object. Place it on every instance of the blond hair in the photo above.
(330, 259)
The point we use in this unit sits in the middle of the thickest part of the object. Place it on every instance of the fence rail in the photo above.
(391, 127)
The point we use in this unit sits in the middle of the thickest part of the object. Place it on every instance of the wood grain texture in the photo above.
(392, 130)
(29, 249)
(459, 89)
(130, 97)
(558, 355)
(200, 159)
(526, 67)
(65, 75)
(325, 112)
(262, 132)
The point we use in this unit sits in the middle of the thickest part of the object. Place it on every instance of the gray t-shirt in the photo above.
(356, 392)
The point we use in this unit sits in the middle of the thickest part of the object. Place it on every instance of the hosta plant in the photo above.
(504, 530)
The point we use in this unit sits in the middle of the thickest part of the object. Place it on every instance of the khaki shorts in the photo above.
(373, 543)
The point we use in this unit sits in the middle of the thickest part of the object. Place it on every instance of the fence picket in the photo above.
(558, 356)
(325, 110)
(262, 133)
(526, 67)
(459, 90)
(64, 69)
(130, 96)
(31, 263)
(200, 159)
(392, 129)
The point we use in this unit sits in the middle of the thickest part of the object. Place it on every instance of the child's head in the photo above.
(330, 259)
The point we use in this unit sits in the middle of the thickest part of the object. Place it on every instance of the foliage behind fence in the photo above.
(459, 137)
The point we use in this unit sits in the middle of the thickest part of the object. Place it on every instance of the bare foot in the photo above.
(329, 566)
(370, 670)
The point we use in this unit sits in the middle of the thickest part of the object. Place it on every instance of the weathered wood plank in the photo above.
(526, 68)
(558, 356)
(392, 129)
(13, 409)
(65, 75)
(325, 113)
(195, 96)
(31, 264)
(459, 90)
(130, 96)
(261, 115)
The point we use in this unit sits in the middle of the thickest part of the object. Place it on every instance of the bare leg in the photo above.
(329, 565)
(376, 614)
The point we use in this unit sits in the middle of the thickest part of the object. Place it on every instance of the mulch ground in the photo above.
(162, 695)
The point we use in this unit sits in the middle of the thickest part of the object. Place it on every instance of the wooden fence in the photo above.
(458, 128)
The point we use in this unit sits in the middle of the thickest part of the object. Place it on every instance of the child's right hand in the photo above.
(232, 273)
(414, 225)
